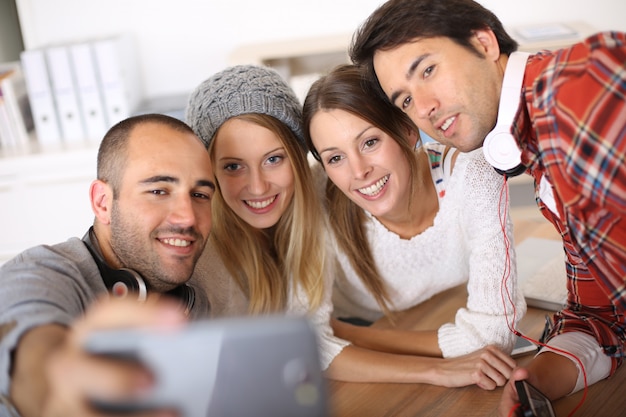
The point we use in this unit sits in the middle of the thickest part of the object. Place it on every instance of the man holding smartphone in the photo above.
(152, 207)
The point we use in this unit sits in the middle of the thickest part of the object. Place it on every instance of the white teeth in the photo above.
(261, 204)
(375, 188)
(447, 124)
(177, 242)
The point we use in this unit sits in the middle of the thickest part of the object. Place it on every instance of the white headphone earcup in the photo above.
(501, 150)
(500, 147)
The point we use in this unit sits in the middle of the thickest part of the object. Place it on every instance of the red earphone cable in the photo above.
(506, 296)
(513, 409)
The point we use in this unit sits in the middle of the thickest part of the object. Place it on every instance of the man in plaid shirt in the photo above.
(444, 63)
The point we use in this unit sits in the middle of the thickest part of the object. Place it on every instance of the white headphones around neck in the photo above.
(500, 147)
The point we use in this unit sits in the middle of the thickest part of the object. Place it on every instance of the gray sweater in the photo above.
(50, 284)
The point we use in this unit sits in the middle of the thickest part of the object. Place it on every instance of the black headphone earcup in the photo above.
(122, 282)
(119, 282)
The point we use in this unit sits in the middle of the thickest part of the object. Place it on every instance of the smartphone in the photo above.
(532, 401)
(265, 366)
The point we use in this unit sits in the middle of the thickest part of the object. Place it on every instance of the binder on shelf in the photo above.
(20, 119)
(88, 88)
(41, 98)
(116, 63)
(65, 95)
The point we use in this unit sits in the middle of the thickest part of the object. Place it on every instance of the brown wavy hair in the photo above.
(346, 89)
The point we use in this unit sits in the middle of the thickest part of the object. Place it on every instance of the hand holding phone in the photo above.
(533, 403)
(246, 367)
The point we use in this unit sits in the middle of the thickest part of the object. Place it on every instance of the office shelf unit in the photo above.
(44, 197)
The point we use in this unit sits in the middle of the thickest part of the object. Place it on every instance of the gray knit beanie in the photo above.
(238, 90)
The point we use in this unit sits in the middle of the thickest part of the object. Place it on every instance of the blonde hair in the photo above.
(268, 264)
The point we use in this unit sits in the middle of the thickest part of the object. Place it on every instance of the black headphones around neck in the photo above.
(500, 147)
(125, 282)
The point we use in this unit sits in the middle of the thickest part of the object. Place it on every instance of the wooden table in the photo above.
(606, 398)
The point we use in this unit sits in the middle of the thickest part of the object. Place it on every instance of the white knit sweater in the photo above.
(464, 245)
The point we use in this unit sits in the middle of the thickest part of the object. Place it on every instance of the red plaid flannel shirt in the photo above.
(572, 129)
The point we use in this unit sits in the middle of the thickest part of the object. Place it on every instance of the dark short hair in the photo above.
(112, 154)
(397, 22)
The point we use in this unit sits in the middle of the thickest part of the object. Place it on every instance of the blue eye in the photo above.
(274, 159)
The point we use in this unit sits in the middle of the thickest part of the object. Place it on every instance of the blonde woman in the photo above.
(267, 250)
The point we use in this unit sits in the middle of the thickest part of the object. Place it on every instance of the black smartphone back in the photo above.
(532, 401)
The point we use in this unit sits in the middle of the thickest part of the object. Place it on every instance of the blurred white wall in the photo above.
(180, 43)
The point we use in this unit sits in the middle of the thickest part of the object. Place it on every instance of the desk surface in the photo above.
(605, 398)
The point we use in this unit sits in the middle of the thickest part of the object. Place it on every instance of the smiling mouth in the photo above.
(260, 204)
(447, 123)
(374, 189)
(181, 243)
